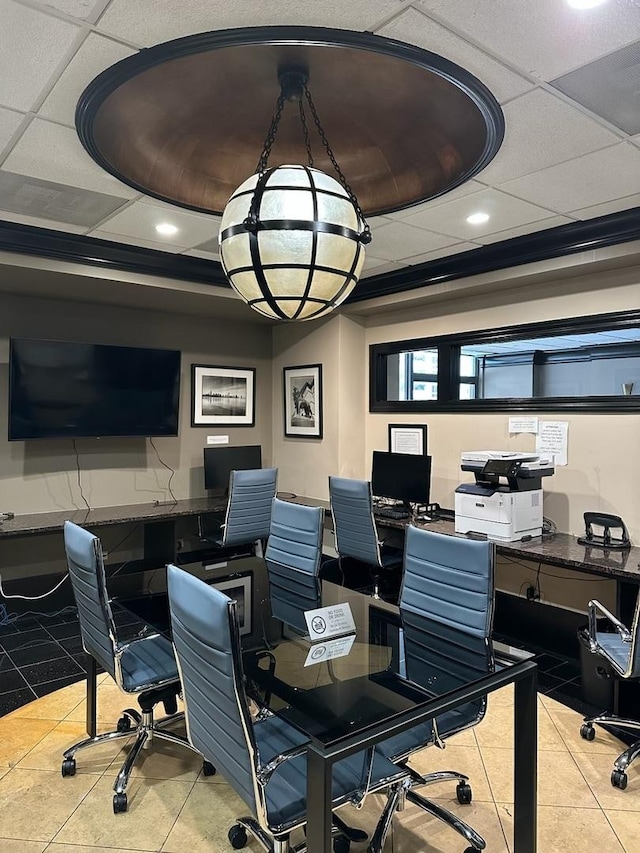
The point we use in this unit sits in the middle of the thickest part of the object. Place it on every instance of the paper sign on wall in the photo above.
(523, 425)
(337, 648)
(553, 438)
(330, 621)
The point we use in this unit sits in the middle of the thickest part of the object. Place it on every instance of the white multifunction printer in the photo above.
(505, 501)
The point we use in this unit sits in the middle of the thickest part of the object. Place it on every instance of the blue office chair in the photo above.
(446, 604)
(145, 666)
(293, 556)
(355, 528)
(263, 760)
(621, 650)
(248, 513)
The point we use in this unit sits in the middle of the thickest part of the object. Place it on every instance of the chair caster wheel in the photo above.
(208, 769)
(124, 724)
(341, 844)
(619, 779)
(587, 731)
(464, 793)
(119, 803)
(69, 767)
(237, 836)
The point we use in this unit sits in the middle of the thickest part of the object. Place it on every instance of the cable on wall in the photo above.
(168, 467)
(86, 502)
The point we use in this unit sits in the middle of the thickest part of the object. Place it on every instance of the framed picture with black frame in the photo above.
(302, 394)
(223, 396)
(240, 588)
(408, 438)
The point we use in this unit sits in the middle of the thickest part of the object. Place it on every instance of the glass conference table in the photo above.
(346, 694)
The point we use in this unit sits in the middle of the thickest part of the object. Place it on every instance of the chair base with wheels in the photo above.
(141, 725)
(342, 836)
(619, 778)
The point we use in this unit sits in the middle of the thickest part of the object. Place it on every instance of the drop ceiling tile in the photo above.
(38, 222)
(95, 54)
(81, 9)
(47, 150)
(455, 249)
(134, 241)
(414, 27)
(9, 123)
(198, 253)
(211, 246)
(32, 45)
(547, 37)
(399, 240)
(592, 179)
(459, 192)
(148, 22)
(504, 212)
(542, 130)
(530, 228)
(139, 220)
(615, 206)
(376, 266)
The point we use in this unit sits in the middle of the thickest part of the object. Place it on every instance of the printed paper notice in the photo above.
(330, 621)
(523, 425)
(553, 439)
(337, 648)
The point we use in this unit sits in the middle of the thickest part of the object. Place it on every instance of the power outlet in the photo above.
(532, 593)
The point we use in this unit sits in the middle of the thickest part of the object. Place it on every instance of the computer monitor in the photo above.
(402, 477)
(219, 462)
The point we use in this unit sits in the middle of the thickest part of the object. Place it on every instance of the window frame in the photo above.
(449, 347)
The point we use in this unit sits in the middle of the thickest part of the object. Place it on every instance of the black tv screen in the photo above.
(59, 389)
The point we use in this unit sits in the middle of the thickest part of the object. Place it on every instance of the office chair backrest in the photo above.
(86, 570)
(293, 555)
(206, 640)
(449, 579)
(353, 522)
(251, 493)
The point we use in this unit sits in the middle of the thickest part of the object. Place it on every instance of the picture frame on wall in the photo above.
(302, 394)
(408, 438)
(222, 396)
(239, 587)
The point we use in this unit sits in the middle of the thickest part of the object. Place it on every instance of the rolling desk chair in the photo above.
(621, 649)
(264, 759)
(449, 581)
(248, 513)
(145, 666)
(293, 555)
(355, 528)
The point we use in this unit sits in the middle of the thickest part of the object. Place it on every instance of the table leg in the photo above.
(319, 801)
(92, 696)
(525, 769)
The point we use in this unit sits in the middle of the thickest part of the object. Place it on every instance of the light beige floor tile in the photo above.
(163, 760)
(208, 814)
(11, 845)
(463, 759)
(496, 730)
(82, 848)
(153, 808)
(54, 706)
(567, 830)
(560, 782)
(568, 723)
(414, 831)
(17, 737)
(111, 702)
(596, 769)
(35, 803)
(47, 754)
(626, 825)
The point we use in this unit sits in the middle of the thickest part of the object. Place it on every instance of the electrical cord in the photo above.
(168, 467)
(86, 502)
(3, 594)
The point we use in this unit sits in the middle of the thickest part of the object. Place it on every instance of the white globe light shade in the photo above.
(305, 256)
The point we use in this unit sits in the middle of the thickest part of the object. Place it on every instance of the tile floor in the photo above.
(173, 808)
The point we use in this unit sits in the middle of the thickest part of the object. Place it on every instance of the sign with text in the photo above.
(329, 621)
(337, 648)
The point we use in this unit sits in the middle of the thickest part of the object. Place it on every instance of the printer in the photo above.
(505, 501)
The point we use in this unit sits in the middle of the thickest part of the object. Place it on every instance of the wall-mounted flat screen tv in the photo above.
(59, 389)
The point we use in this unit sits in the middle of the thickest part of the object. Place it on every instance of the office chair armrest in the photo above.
(595, 607)
(266, 771)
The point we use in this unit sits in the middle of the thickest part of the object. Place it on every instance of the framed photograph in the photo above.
(223, 396)
(408, 438)
(238, 587)
(303, 401)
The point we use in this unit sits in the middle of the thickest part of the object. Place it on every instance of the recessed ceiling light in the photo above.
(585, 4)
(166, 229)
(478, 218)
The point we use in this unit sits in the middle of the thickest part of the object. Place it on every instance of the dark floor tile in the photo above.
(16, 699)
(70, 616)
(26, 623)
(50, 686)
(547, 662)
(11, 679)
(36, 653)
(40, 672)
(566, 670)
(5, 663)
(72, 645)
(547, 683)
(65, 630)
(22, 639)
(8, 630)
(82, 660)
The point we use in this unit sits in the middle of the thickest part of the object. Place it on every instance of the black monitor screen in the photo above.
(219, 462)
(401, 476)
(59, 389)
